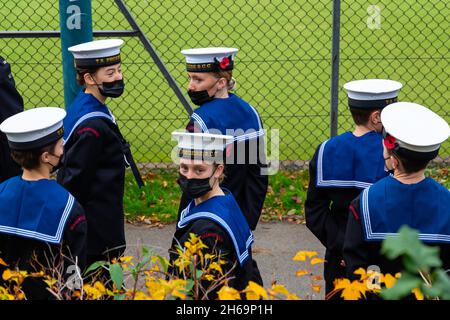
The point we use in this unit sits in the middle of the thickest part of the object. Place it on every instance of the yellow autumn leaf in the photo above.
(317, 260)
(221, 261)
(388, 280)
(292, 297)
(155, 288)
(216, 266)
(278, 288)
(50, 282)
(20, 296)
(361, 272)
(301, 273)
(141, 296)
(7, 275)
(350, 290)
(92, 292)
(155, 268)
(16, 276)
(178, 294)
(317, 278)
(100, 287)
(209, 277)
(302, 255)
(125, 259)
(3, 263)
(316, 287)
(178, 288)
(227, 293)
(418, 294)
(209, 256)
(5, 295)
(257, 290)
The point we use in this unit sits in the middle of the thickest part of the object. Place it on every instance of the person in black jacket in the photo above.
(42, 226)
(213, 215)
(11, 104)
(95, 153)
(222, 112)
(343, 166)
(412, 138)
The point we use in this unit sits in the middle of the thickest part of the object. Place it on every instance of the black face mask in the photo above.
(199, 97)
(112, 89)
(194, 188)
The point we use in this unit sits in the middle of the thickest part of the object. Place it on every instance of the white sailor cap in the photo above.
(413, 127)
(34, 128)
(372, 93)
(202, 146)
(95, 54)
(209, 59)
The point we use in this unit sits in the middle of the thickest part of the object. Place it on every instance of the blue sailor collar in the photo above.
(389, 204)
(348, 161)
(229, 116)
(224, 211)
(34, 209)
(85, 106)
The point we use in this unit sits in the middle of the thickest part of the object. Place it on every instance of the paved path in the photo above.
(275, 245)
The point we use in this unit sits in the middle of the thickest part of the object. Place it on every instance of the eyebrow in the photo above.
(110, 69)
(196, 167)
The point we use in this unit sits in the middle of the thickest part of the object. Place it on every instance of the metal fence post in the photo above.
(76, 27)
(159, 63)
(335, 68)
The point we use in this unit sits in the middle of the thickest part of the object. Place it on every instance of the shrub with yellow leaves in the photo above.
(148, 277)
(370, 281)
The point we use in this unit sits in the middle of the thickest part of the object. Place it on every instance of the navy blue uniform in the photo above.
(39, 220)
(383, 208)
(341, 167)
(93, 170)
(221, 225)
(245, 165)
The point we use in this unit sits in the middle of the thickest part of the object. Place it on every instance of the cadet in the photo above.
(213, 214)
(222, 112)
(412, 138)
(93, 166)
(343, 166)
(12, 103)
(41, 224)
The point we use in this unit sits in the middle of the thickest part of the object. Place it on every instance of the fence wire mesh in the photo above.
(283, 67)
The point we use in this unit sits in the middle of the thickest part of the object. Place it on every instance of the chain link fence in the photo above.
(283, 67)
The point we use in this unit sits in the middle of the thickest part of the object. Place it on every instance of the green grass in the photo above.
(282, 68)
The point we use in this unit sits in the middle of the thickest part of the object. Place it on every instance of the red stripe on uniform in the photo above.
(77, 222)
(354, 212)
(89, 130)
(211, 235)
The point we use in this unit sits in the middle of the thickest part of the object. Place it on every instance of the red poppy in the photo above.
(224, 63)
(390, 142)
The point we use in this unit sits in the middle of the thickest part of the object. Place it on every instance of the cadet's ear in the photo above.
(89, 79)
(219, 171)
(375, 117)
(45, 157)
(223, 83)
